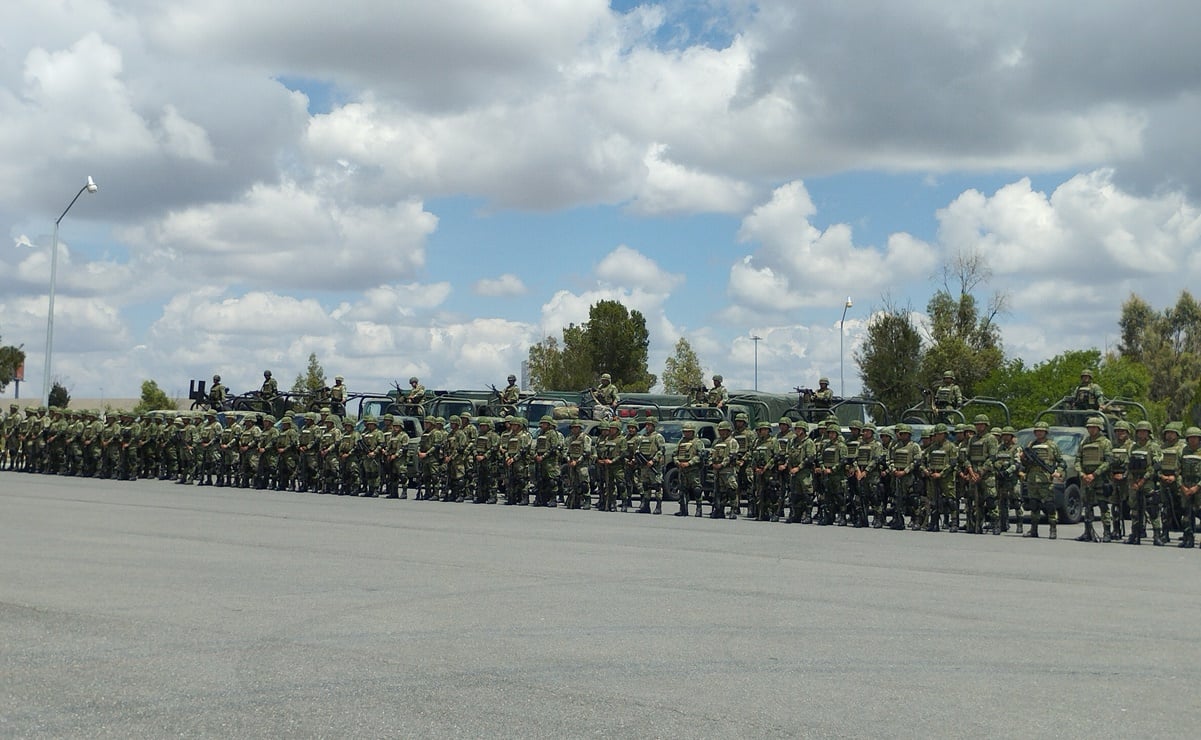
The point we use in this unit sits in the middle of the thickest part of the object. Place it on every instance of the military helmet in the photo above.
(348, 422)
(940, 429)
(948, 375)
(1123, 426)
(338, 378)
(832, 426)
(763, 425)
(631, 422)
(266, 373)
(995, 431)
(1143, 426)
(868, 427)
(785, 421)
(823, 381)
(216, 378)
(1192, 432)
(904, 429)
(388, 418)
(546, 419)
(688, 426)
(727, 426)
(575, 424)
(1086, 372)
(650, 420)
(855, 424)
(1173, 426)
(455, 420)
(717, 378)
(1041, 425)
(1094, 421)
(741, 416)
(981, 419)
(413, 380)
(887, 432)
(1008, 430)
(369, 419)
(965, 427)
(427, 420)
(606, 376)
(512, 378)
(440, 421)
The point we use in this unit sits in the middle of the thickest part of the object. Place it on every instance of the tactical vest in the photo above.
(943, 396)
(1042, 452)
(939, 460)
(1091, 456)
(902, 457)
(1085, 398)
(1190, 467)
(306, 437)
(482, 444)
(684, 449)
(513, 446)
(721, 452)
(1002, 462)
(646, 446)
(976, 452)
(1119, 457)
(575, 448)
(1169, 462)
(542, 444)
(830, 456)
(853, 449)
(1140, 460)
(863, 456)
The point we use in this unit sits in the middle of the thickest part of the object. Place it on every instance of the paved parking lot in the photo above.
(149, 609)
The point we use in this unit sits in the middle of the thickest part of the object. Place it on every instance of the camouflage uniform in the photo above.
(1119, 478)
(1168, 474)
(628, 446)
(208, 449)
(801, 455)
(1092, 463)
(823, 397)
(1088, 394)
(689, 459)
(982, 486)
(649, 452)
(429, 460)
(606, 393)
(609, 463)
(762, 457)
(578, 452)
(227, 451)
(723, 460)
(483, 455)
(414, 400)
(745, 437)
(832, 461)
(947, 397)
(455, 460)
(516, 446)
(510, 396)
(904, 461)
(869, 457)
(718, 395)
(249, 452)
(1144, 496)
(1007, 465)
(1190, 486)
(548, 462)
(372, 457)
(938, 463)
(348, 460)
(1040, 478)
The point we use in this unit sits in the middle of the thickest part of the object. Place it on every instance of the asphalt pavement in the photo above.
(149, 609)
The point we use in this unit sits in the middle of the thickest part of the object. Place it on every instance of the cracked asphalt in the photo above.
(149, 609)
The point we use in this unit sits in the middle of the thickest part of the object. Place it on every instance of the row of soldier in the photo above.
(876, 478)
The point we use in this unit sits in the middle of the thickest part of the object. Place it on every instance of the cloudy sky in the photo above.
(418, 187)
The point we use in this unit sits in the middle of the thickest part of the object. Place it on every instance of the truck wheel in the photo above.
(1073, 505)
(671, 485)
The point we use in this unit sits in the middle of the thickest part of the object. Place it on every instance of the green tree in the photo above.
(963, 338)
(312, 379)
(153, 398)
(1168, 345)
(889, 359)
(613, 340)
(59, 396)
(10, 359)
(618, 343)
(682, 372)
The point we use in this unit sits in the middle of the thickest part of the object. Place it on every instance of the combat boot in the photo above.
(1089, 535)
(718, 512)
(1107, 536)
(658, 507)
(1033, 533)
(1019, 524)
(1158, 538)
(1053, 533)
(645, 508)
(699, 503)
(683, 505)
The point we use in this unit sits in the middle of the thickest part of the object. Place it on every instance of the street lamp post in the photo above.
(841, 355)
(756, 339)
(90, 187)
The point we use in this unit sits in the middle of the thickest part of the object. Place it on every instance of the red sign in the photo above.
(20, 372)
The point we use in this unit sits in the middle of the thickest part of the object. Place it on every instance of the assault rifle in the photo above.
(1046, 466)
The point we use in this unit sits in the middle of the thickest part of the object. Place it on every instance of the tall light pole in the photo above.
(90, 187)
(841, 355)
(756, 339)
